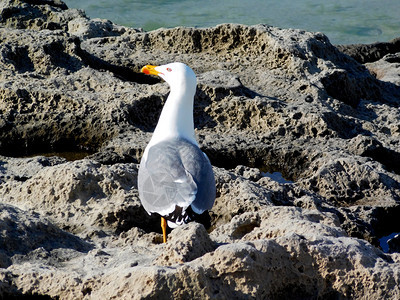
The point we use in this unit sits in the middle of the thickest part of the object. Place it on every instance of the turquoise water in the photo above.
(343, 21)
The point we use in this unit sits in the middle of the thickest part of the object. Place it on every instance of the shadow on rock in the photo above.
(28, 235)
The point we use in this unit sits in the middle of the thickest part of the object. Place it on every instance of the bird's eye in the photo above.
(169, 69)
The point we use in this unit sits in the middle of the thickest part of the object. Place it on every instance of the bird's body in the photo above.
(175, 177)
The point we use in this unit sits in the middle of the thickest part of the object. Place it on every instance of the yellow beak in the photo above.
(150, 70)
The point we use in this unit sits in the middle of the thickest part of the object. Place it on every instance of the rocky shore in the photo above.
(76, 115)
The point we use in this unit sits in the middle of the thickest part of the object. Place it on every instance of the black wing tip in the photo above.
(181, 216)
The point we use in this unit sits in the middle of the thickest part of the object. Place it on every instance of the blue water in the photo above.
(343, 21)
(384, 241)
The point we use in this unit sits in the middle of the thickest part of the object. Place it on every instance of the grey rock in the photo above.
(269, 100)
(185, 244)
(272, 222)
(81, 196)
(371, 52)
(27, 236)
(387, 68)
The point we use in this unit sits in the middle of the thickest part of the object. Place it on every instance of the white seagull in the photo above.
(175, 179)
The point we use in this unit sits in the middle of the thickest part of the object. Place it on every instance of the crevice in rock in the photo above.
(59, 57)
(386, 220)
(350, 89)
(145, 112)
(337, 123)
(121, 72)
(390, 159)
(19, 57)
(133, 216)
(369, 222)
(369, 146)
(244, 229)
(28, 296)
(290, 163)
(66, 148)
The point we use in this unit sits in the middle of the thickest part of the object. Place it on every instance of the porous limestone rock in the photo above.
(269, 101)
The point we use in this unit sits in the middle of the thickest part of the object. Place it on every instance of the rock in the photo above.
(387, 68)
(381, 59)
(286, 264)
(23, 169)
(81, 196)
(289, 265)
(269, 101)
(27, 236)
(358, 183)
(371, 52)
(236, 195)
(394, 243)
(91, 28)
(273, 222)
(370, 223)
(51, 15)
(185, 244)
(54, 15)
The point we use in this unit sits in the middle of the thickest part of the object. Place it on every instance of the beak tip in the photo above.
(149, 70)
(144, 70)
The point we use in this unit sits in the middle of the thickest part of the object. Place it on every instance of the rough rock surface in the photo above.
(387, 68)
(268, 100)
(371, 52)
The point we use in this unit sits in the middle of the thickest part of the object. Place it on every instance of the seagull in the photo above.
(175, 177)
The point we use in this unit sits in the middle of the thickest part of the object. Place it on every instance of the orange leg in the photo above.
(164, 229)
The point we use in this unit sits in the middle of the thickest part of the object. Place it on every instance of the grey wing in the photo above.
(205, 181)
(163, 180)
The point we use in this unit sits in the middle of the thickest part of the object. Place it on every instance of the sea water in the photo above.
(384, 241)
(343, 21)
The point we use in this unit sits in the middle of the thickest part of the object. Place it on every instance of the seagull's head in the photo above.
(177, 75)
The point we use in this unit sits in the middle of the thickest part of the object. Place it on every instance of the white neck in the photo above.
(176, 119)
